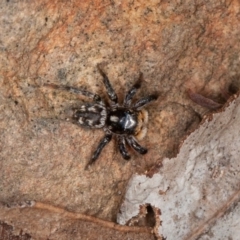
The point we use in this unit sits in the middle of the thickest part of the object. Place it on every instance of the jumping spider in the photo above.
(125, 121)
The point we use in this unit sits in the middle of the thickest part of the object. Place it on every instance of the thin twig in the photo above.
(104, 223)
(197, 232)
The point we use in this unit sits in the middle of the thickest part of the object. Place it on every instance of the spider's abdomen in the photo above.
(122, 121)
(90, 115)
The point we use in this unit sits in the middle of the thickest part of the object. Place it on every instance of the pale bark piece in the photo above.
(197, 192)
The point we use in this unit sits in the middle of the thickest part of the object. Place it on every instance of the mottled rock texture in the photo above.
(177, 45)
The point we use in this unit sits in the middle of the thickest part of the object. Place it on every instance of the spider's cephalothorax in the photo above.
(127, 121)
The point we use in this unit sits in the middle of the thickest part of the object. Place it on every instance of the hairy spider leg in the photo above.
(78, 91)
(143, 101)
(128, 98)
(122, 148)
(135, 145)
(110, 91)
(106, 139)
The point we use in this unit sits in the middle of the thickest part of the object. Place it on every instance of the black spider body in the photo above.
(127, 121)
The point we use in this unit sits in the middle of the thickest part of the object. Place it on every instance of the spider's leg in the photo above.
(143, 101)
(110, 91)
(107, 138)
(132, 91)
(122, 148)
(135, 145)
(78, 91)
